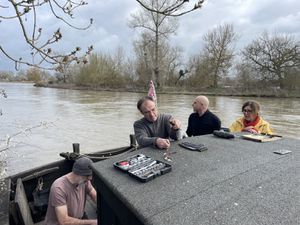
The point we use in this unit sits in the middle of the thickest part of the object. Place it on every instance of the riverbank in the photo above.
(223, 91)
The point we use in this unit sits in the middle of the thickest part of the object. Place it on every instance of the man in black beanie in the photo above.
(68, 195)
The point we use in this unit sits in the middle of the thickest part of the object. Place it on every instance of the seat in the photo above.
(22, 205)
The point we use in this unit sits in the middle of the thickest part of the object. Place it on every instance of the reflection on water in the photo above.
(103, 120)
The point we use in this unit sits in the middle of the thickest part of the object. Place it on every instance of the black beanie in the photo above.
(82, 166)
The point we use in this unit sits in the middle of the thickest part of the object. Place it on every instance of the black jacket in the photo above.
(205, 124)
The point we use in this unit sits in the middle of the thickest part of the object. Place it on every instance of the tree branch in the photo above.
(174, 10)
(43, 52)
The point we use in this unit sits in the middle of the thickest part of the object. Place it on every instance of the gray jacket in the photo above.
(147, 132)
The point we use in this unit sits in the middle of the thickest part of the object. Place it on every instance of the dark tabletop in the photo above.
(235, 181)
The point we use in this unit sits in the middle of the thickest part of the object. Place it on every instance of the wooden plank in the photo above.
(260, 138)
(22, 203)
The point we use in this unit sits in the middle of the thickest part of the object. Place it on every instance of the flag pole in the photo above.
(152, 92)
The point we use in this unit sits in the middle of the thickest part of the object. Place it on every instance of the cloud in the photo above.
(109, 31)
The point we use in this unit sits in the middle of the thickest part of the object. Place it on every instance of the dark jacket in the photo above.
(205, 124)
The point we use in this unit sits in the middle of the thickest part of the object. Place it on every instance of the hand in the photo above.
(93, 222)
(162, 143)
(251, 129)
(175, 123)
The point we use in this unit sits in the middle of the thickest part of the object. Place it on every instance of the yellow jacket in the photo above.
(262, 126)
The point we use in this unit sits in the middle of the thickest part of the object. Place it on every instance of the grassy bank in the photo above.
(224, 91)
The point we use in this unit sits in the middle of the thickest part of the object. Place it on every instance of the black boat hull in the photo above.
(10, 209)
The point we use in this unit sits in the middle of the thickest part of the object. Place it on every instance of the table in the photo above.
(235, 181)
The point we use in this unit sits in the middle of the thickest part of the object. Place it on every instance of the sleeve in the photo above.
(142, 135)
(176, 134)
(165, 129)
(235, 127)
(189, 128)
(217, 123)
(267, 129)
(57, 196)
(173, 134)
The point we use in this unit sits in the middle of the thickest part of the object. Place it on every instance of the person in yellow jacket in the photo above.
(251, 121)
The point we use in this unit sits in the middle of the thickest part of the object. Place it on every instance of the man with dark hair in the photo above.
(68, 196)
(202, 121)
(155, 129)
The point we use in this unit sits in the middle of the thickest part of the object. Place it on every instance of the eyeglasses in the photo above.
(247, 111)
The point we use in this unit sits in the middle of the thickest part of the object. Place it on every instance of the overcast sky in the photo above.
(250, 19)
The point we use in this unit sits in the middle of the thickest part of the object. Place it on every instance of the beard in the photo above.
(81, 183)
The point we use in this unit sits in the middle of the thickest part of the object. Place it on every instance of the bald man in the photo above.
(202, 121)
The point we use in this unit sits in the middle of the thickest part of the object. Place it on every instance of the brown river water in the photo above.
(42, 122)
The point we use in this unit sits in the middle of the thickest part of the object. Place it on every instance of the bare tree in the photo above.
(273, 56)
(27, 15)
(218, 51)
(143, 63)
(174, 8)
(199, 68)
(292, 79)
(245, 76)
(157, 27)
(171, 63)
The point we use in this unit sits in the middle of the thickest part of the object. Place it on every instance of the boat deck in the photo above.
(235, 181)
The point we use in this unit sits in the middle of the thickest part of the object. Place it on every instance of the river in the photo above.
(44, 122)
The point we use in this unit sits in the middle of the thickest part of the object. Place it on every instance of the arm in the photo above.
(265, 128)
(233, 127)
(217, 123)
(145, 136)
(64, 219)
(142, 136)
(236, 126)
(175, 131)
(189, 128)
(93, 194)
(167, 127)
(268, 129)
